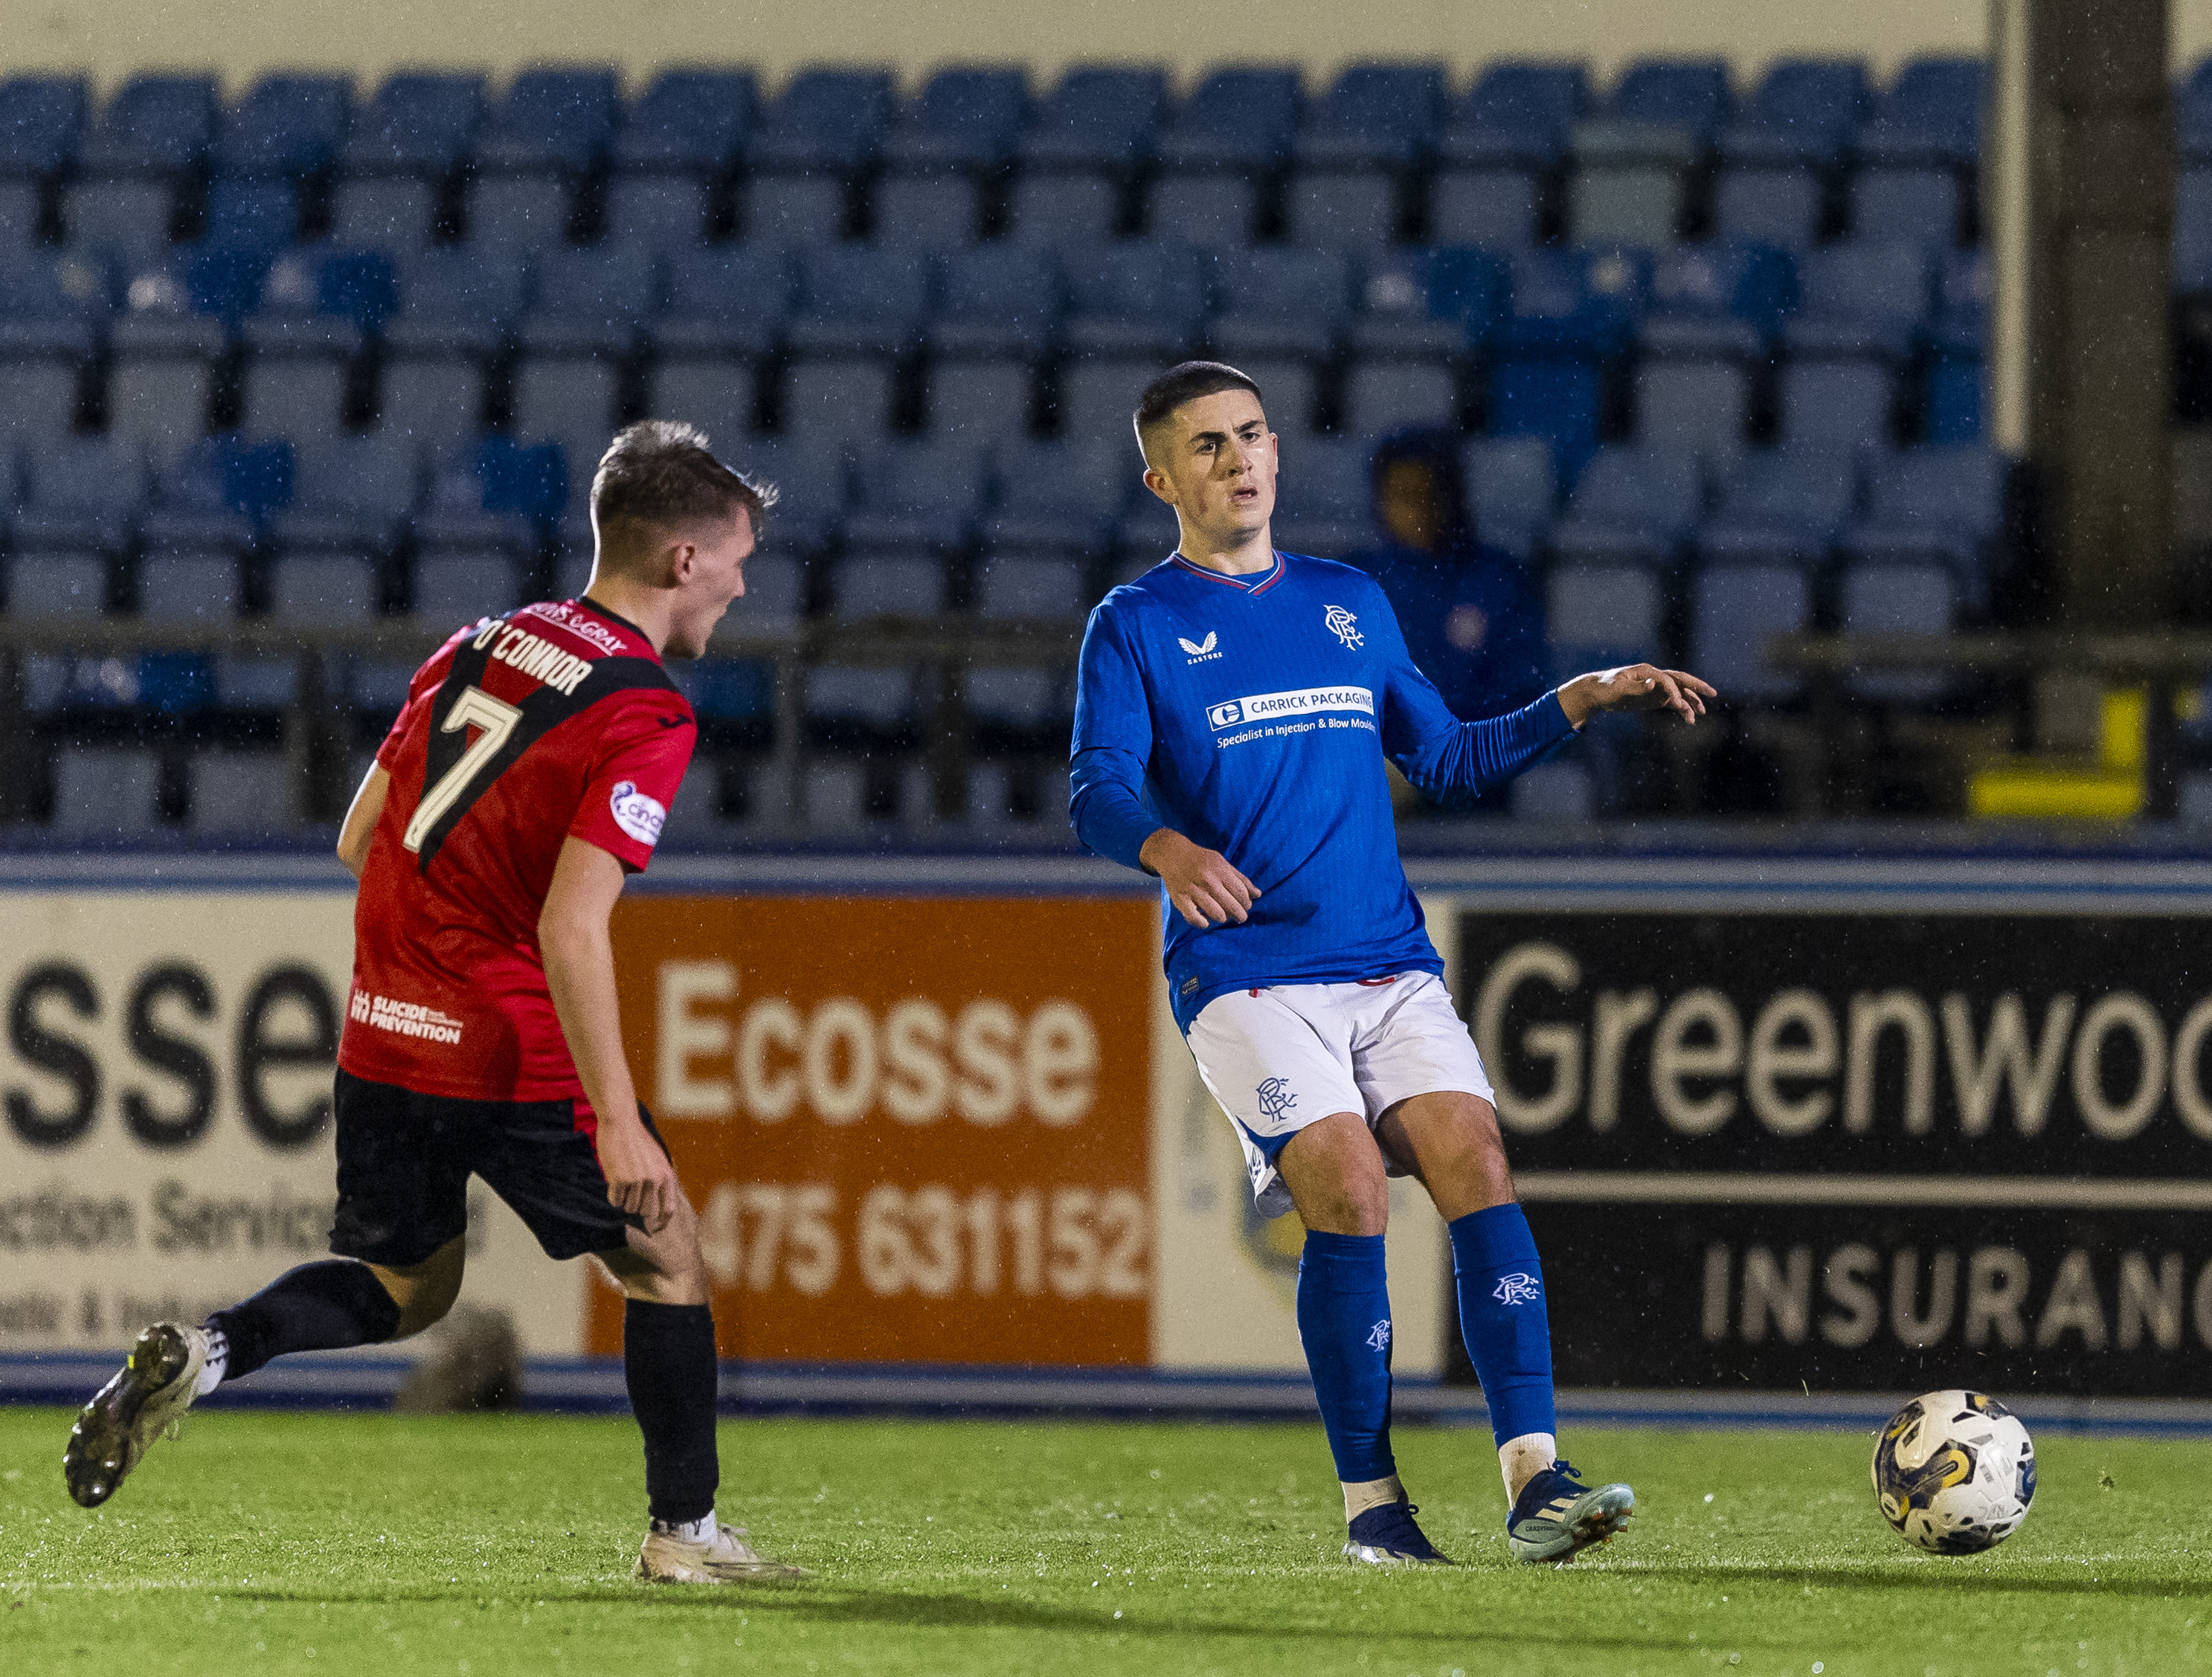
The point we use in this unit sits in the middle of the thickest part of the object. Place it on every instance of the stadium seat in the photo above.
(731, 300)
(1781, 205)
(350, 494)
(813, 485)
(1897, 597)
(1860, 307)
(1496, 154)
(1097, 117)
(1549, 356)
(1735, 609)
(583, 326)
(775, 602)
(1631, 505)
(456, 308)
(239, 794)
(162, 372)
(418, 122)
(1941, 504)
(158, 125)
(1030, 586)
(45, 125)
(102, 793)
(1322, 497)
(56, 588)
(1019, 710)
(1228, 137)
(322, 590)
(516, 214)
(459, 586)
(1918, 152)
(243, 212)
(675, 142)
(719, 395)
(1916, 206)
(396, 213)
(190, 588)
(1803, 113)
(961, 125)
(1511, 491)
(213, 497)
(1598, 615)
(125, 221)
(52, 312)
(860, 316)
(288, 125)
(824, 128)
(21, 216)
(998, 307)
(662, 209)
(1136, 306)
(1781, 505)
(297, 377)
(81, 494)
(887, 585)
(1958, 343)
(916, 495)
(1629, 181)
(1714, 309)
(1278, 300)
(550, 119)
(1059, 498)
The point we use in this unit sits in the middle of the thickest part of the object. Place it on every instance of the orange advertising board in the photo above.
(917, 1129)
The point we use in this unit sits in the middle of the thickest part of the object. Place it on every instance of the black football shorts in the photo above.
(404, 1160)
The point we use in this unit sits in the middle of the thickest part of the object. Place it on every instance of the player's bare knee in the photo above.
(424, 1292)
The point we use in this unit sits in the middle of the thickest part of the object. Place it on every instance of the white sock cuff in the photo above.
(700, 1530)
(1370, 1493)
(1521, 1459)
(217, 1363)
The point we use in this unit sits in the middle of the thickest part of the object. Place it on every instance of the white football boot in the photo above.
(150, 1395)
(725, 1558)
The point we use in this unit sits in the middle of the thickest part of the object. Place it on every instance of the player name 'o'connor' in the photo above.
(538, 659)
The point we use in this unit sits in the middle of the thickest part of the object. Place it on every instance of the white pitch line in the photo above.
(1699, 1188)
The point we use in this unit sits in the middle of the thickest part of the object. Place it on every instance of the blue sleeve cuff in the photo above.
(1109, 816)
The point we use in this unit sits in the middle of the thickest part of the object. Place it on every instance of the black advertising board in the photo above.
(1872, 1150)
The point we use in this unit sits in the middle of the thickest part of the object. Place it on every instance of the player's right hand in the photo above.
(641, 1179)
(1206, 888)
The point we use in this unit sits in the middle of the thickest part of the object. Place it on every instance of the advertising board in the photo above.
(1869, 1150)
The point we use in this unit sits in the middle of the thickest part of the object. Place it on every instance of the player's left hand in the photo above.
(1636, 687)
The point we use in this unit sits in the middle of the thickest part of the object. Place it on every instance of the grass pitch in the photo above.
(374, 1545)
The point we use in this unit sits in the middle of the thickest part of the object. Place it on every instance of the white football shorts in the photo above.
(1287, 1056)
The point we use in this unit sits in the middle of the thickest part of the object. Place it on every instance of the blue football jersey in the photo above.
(1253, 714)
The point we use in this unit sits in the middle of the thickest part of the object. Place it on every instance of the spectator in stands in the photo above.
(1473, 622)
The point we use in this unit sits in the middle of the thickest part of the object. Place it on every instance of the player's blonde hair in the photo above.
(663, 473)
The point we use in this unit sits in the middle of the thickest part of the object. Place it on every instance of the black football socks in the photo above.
(668, 1364)
(317, 1306)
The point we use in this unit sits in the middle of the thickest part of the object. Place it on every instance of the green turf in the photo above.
(376, 1544)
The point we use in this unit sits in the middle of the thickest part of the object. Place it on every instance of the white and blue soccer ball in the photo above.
(1955, 1473)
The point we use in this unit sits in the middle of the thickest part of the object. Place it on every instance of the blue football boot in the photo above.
(1387, 1536)
(1557, 1517)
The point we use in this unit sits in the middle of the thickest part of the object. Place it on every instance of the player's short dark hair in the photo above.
(1185, 381)
(662, 471)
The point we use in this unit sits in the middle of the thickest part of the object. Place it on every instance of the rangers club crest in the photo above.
(1275, 1100)
(1378, 1336)
(1517, 1289)
(1340, 623)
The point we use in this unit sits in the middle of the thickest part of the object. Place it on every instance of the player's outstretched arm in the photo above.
(361, 818)
(1204, 887)
(578, 949)
(1636, 687)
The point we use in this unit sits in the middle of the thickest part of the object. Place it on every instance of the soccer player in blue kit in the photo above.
(1234, 711)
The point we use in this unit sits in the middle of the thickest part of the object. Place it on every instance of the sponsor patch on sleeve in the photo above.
(641, 816)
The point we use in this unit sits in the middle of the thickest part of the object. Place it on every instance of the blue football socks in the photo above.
(1344, 1319)
(1502, 1317)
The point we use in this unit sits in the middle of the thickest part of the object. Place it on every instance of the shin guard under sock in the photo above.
(668, 1364)
(317, 1306)
(1502, 1317)
(1344, 1319)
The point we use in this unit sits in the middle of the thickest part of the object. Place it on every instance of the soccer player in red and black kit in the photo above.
(530, 772)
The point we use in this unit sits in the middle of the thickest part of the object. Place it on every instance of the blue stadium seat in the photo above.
(1779, 204)
(1277, 301)
(592, 302)
(961, 124)
(456, 306)
(1322, 496)
(775, 596)
(160, 379)
(1629, 181)
(1512, 492)
(1900, 595)
(213, 497)
(21, 214)
(550, 119)
(419, 123)
(1058, 498)
(721, 394)
(1803, 113)
(1136, 308)
(1958, 344)
(1735, 609)
(888, 585)
(1548, 356)
(1919, 151)
(239, 794)
(1233, 127)
(2192, 114)
(1715, 309)
(81, 494)
(104, 792)
(322, 590)
(1496, 154)
(1422, 312)
(248, 212)
(458, 586)
(860, 314)
(62, 587)
(1860, 307)
(1944, 505)
(287, 124)
(186, 587)
(824, 121)
(999, 308)
(44, 124)
(518, 213)
(159, 124)
(126, 219)
(916, 496)
(1097, 119)
(1019, 711)
(53, 310)
(1071, 211)
(814, 483)
(1632, 506)
(395, 212)
(658, 209)
(727, 300)
(1374, 115)
(694, 120)
(1782, 505)
(1918, 206)
(2192, 230)
(350, 494)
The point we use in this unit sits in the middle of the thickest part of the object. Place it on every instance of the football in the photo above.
(1955, 1473)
